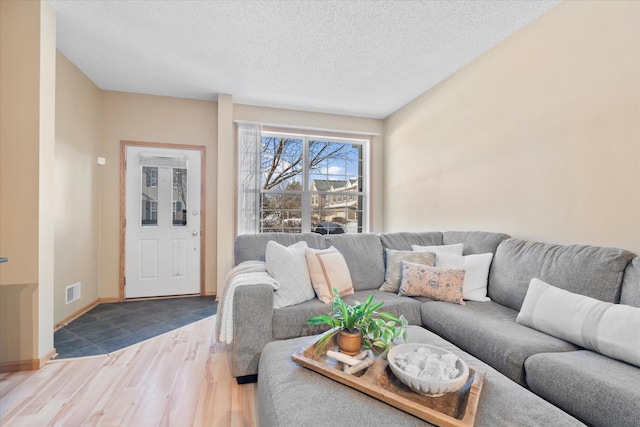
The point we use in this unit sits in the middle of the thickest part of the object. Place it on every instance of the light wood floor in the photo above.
(181, 378)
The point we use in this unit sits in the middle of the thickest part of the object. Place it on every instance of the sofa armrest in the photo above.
(252, 327)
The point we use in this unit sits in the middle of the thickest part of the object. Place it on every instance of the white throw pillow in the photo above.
(328, 270)
(476, 273)
(447, 249)
(609, 329)
(288, 265)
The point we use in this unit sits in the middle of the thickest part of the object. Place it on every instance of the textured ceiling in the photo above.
(361, 58)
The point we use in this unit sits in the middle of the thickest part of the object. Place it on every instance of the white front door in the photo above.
(162, 228)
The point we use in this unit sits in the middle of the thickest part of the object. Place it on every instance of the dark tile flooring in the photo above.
(110, 327)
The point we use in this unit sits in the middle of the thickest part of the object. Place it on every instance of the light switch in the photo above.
(102, 161)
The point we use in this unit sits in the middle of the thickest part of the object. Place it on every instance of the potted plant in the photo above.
(361, 323)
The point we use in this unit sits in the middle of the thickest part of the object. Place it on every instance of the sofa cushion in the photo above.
(630, 293)
(364, 256)
(489, 331)
(250, 247)
(394, 304)
(291, 322)
(610, 329)
(393, 272)
(597, 389)
(402, 241)
(455, 249)
(475, 242)
(290, 395)
(588, 270)
(328, 271)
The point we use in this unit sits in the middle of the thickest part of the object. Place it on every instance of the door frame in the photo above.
(123, 181)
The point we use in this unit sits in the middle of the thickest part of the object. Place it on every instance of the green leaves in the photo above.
(390, 317)
(379, 329)
(321, 320)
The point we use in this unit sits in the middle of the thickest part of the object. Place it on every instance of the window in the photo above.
(179, 198)
(307, 181)
(149, 199)
(149, 213)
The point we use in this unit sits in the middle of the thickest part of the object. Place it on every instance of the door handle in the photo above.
(194, 233)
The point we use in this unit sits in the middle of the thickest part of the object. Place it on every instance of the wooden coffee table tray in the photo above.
(452, 409)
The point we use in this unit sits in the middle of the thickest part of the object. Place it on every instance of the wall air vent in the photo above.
(72, 293)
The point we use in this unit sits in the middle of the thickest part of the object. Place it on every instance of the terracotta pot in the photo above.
(350, 342)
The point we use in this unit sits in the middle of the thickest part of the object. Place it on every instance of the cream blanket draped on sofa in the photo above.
(245, 273)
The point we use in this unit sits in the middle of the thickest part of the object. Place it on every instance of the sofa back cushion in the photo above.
(402, 241)
(630, 293)
(252, 247)
(364, 256)
(475, 242)
(587, 270)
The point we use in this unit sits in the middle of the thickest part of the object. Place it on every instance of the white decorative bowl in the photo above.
(427, 387)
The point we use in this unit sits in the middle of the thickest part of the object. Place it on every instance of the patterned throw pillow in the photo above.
(441, 284)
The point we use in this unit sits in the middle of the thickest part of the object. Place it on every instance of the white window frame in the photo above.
(307, 194)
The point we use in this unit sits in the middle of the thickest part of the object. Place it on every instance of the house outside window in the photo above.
(149, 214)
(307, 180)
(151, 177)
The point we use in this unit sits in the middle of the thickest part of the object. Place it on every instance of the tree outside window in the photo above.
(308, 181)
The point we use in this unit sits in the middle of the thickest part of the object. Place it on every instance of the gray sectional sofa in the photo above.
(596, 389)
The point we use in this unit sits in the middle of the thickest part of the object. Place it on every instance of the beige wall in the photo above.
(18, 324)
(19, 136)
(27, 114)
(46, 202)
(77, 187)
(538, 138)
(145, 118)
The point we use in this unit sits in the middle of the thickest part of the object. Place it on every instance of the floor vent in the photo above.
(72, 293)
